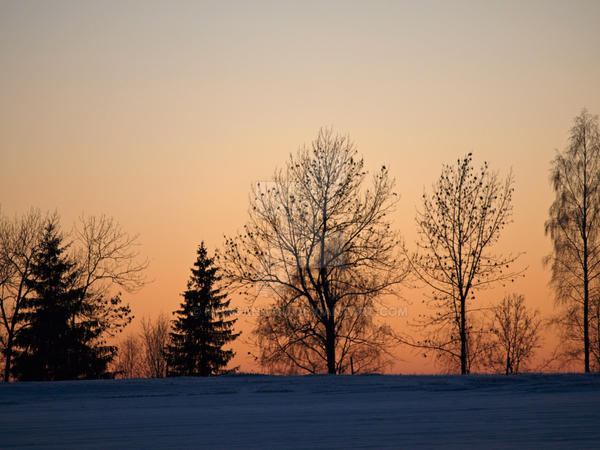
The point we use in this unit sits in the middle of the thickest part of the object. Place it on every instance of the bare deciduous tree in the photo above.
(573, 225)
(514, 335)
(459, 222)
(107, 259)
(19, 240)
(130, 361)
(155, 337)
(316, 232)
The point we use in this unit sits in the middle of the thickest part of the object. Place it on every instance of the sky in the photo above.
(162, 114)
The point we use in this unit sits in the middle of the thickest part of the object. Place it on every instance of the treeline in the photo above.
(320, 242)
(60, 297)
(320, 245)
(61, 305)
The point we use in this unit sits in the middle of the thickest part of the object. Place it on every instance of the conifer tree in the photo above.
(61, 340)
(203, 325)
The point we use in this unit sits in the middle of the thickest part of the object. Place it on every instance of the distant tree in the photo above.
(515, 335)
(62, 339)
(459, 222)
(204, 324)
(155, 339)
(318, 236)
(130, 362)
(19, 242)
(574, 227)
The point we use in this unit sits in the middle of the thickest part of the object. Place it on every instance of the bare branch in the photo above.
(459, 222)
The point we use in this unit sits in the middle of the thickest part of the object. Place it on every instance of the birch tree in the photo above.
(573, 226)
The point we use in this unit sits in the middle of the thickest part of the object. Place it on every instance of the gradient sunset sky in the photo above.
(162, 114)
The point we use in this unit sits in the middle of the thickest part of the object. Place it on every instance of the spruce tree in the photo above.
(61, 340)
(203, 325)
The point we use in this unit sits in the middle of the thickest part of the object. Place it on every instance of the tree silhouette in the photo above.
(63, 337)
(103, 258)
(19, 241)
(573, 225)
(458, 223)
(129, 362)
(203, 325)
(514, 335)
(155, 339)
(317, 236)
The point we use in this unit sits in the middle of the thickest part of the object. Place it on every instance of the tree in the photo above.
(130, 362)
(318, 237)
(514, 335)
(155, 338)
(459, 222)
(203, 325)
(107, 259)
(19, 241)
(62, 339)
(573, 226)
(104, 257)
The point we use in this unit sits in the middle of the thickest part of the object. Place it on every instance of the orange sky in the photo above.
(162, 114)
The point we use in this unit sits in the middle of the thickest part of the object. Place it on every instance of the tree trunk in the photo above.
(586, 307)
(8, 359)
(597, 343)
(330, 346)
(586, 324)
(463, 338)
(586, 275)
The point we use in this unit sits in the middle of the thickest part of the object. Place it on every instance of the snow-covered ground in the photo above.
(541, 411)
